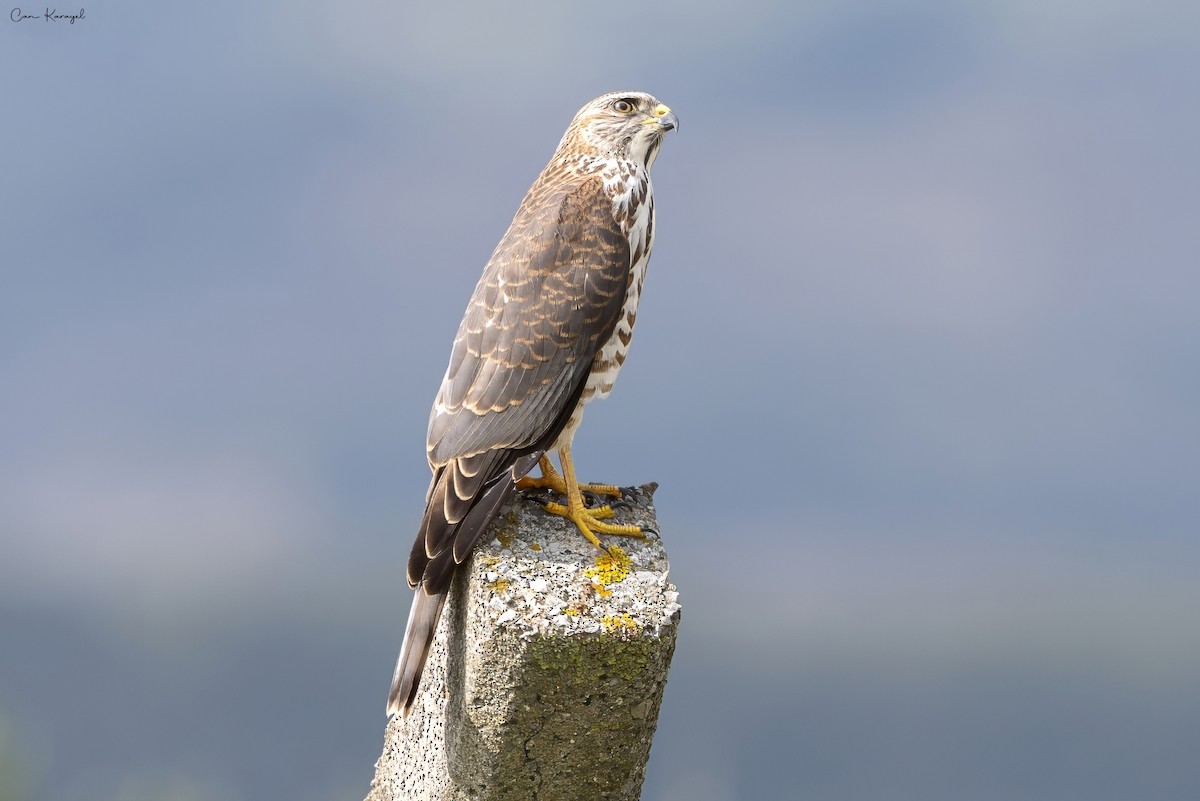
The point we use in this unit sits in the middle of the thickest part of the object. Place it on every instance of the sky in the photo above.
(916, 368)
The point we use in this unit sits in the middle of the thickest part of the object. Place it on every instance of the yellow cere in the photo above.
(659, 110)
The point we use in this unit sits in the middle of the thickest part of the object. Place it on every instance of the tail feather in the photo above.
(418, 638)
(465, 495)
(432, 574)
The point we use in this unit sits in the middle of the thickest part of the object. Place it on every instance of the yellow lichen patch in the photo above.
(499, 585)
(619, 624)
(611, 567)
(506, 532)
(533, 546)
(571, 611)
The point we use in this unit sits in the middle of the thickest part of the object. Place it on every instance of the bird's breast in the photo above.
(634, 209)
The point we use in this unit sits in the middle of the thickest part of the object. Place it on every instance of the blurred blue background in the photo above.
(917, 367)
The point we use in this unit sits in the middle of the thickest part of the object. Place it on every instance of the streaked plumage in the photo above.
(547, 329)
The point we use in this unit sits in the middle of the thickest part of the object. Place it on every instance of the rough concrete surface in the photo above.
(547, 671)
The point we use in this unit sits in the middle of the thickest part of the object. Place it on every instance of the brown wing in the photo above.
(548, 299)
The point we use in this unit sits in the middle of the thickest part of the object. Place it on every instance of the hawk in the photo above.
(546, 331)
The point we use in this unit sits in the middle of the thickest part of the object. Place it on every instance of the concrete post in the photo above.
(547, 671)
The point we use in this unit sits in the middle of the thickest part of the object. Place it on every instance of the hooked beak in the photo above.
(664, 118)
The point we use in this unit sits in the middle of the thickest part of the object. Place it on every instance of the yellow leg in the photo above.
(588, 521)
(551, 480)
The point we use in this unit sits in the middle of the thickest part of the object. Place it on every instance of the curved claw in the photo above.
(591, 499)
(581, 507)
(590, 522)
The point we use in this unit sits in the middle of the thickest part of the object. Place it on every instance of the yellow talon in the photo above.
(599, 513)
(551, 480)
(588, 521)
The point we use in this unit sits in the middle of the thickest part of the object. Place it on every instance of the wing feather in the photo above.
(549, 298)
(565, 269)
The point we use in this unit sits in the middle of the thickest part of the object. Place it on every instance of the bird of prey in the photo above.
(547, 329)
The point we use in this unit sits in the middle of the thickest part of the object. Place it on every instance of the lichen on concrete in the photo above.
(548, 668)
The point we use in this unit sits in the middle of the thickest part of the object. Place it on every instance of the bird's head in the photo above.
(622, 125)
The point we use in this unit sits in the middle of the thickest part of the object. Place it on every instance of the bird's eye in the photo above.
(624, 106)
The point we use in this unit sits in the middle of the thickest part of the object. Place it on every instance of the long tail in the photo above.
(418, 637)
(461, 506)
